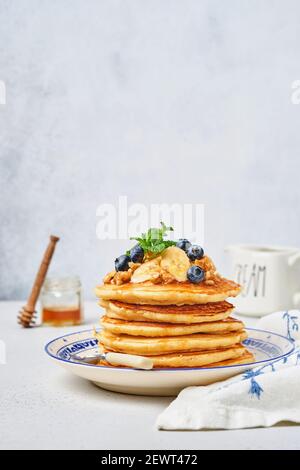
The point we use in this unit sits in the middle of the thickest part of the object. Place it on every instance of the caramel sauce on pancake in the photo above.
(201, 309)
(146, 325)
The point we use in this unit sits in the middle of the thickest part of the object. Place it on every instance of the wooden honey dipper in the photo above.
(26, 316)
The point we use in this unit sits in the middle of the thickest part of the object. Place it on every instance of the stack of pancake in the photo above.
(176, 324)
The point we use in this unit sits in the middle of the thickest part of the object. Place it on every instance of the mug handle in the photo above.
(294, 258)
(229, 248)
(296, 299)
(292, 261)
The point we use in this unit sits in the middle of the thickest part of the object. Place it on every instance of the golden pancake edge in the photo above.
(235, 355)
(176, 293)
(199, 313)
(148, 346)
(150, 329)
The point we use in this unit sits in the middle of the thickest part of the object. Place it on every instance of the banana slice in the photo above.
(175, 261)
(147, 271)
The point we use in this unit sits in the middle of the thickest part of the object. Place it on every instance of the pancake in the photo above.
(148, 329)
(246, 358)
(178, 293)
(215, 358)
(188, 314)
(170, 344)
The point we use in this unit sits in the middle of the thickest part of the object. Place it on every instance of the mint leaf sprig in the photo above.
(153, 241)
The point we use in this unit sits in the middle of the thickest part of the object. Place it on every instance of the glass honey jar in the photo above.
(61, 301)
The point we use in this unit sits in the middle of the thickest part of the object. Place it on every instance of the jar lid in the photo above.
(61, 283)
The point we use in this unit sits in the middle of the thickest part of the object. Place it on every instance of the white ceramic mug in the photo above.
(270, 276)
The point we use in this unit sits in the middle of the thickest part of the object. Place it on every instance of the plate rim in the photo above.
(168, 369)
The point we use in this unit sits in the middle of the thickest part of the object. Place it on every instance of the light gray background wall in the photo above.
(162, 101)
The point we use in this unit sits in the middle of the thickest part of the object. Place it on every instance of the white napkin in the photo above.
(262, 396)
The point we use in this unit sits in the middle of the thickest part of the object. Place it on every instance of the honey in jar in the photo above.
(61, 302)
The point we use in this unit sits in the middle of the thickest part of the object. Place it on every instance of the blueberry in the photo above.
(195, 274)
(183, 244)
(121, 263)
(137, 254)
(195, 252)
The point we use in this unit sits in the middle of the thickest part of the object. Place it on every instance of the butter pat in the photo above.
(129, 360)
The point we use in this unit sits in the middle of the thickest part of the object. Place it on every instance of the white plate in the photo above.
(265, 345)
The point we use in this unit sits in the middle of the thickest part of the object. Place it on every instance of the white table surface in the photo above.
(42, 406)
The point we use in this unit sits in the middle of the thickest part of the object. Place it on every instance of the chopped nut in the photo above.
(134, 266)
(108, 278)
(166, 277)
(156, 279)
(209, 282)
(121, 277)
(206, 264)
